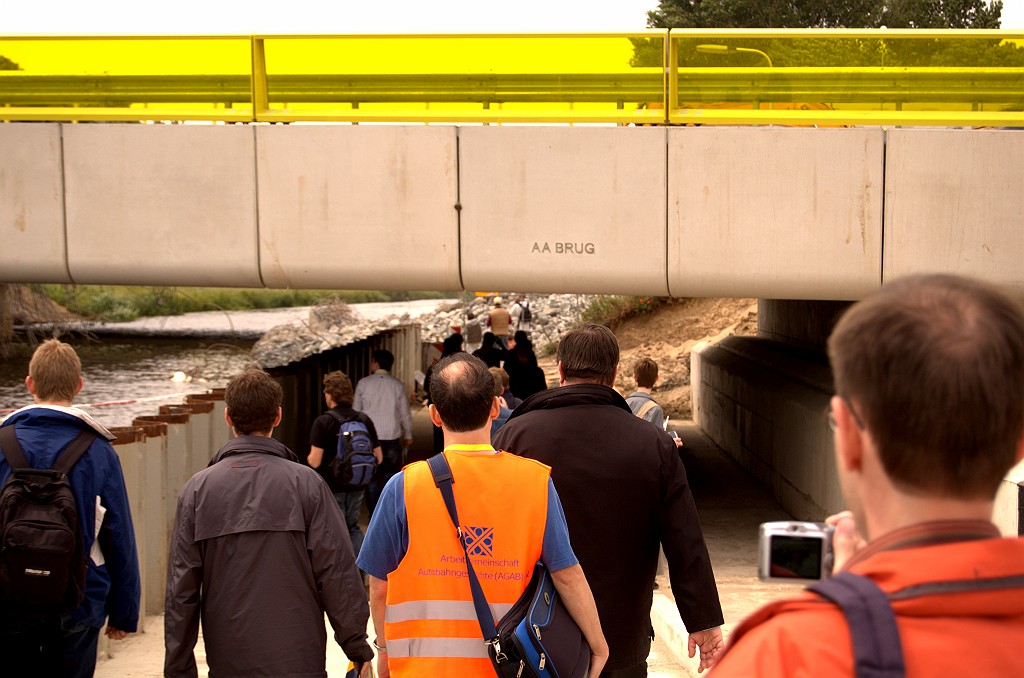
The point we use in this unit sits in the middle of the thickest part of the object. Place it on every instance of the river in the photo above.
(130, 375)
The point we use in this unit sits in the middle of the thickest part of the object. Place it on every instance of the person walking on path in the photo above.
(323, 448)
(384, 399)
(420, 595)
(51, 643)
(599, 450)
(928, 418)
(525, 375)
(641, 402)
(499, 320)
(260, 553)
(473, 331)
(521, 316)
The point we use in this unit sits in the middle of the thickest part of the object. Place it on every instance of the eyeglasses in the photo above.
(853, 413)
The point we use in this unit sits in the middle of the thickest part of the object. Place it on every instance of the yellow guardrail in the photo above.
(800, 77)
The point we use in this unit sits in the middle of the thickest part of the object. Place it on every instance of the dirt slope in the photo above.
(669, 333)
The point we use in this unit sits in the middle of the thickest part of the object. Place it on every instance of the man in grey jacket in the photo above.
(260, 551)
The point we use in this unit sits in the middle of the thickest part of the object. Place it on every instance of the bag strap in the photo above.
(645, 408)
(11, 448)
(877, 651)
(67, 459)
(443, 480)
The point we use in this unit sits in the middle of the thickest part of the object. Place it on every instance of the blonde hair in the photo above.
(55, 369)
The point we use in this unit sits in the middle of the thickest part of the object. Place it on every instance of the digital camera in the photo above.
(794, 551)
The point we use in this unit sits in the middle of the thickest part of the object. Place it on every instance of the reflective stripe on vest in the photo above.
(440, 609)
(461, 648)
(430, 623)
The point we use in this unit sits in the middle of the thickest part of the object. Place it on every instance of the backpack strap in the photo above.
(11, 448)
(877, 651)
(645, 408)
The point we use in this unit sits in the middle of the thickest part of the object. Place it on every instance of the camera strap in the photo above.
(877, 651)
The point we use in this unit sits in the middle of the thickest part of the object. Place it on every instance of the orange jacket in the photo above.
(969, 631)
(430, 622)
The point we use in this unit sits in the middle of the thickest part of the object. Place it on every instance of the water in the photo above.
(130, 376)
(125, 379)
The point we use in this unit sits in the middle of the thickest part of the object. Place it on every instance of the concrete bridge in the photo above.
(803, 218)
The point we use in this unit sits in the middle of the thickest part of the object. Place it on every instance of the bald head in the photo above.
(462, 390)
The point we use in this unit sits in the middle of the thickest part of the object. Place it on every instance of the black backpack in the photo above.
(527, 314)
(42, 560)
(354, 463)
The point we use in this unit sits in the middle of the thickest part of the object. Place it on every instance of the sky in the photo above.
(340, 16)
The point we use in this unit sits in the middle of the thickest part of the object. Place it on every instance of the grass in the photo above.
(610, 310)
(122, 303)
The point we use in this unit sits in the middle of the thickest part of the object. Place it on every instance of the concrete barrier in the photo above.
(130, 445)
(158, 454)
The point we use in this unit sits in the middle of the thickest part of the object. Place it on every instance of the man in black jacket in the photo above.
(625, 492)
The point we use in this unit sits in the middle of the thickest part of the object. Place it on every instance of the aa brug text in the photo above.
(563, 248)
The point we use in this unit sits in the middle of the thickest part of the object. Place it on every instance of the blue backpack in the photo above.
(354, 463)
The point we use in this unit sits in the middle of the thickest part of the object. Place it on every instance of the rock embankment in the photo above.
(552, 315)
(335, 325)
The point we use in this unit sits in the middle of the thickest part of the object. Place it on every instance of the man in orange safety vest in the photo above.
(420, 598)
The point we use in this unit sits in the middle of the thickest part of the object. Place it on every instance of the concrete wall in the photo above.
(775, 212)
(32, 204)
(581, 212)
(764, 400)
(180, 199)
(765, 404)
(1009, 511)
(764, 212)
(349, 207)
(158, 454)
(799, 323)
(955, 203)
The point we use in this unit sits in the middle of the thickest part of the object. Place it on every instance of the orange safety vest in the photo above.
(430, 622)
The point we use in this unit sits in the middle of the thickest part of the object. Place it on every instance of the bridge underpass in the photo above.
(803, 218)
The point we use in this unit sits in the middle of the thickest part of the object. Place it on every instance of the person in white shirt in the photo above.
(384, 399)
(522, 316)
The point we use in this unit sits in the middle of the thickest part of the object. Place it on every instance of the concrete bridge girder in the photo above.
(770, 212)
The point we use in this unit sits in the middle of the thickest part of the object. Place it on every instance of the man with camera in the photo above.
(928, 418)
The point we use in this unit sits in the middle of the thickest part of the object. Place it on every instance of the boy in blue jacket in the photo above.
(65, 644)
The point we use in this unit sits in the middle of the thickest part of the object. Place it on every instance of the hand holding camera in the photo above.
(795, 551)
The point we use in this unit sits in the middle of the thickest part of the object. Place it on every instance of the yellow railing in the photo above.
(800, 77)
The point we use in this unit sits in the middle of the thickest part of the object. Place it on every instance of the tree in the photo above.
(838, 50)
(826, 14)
(944, 14)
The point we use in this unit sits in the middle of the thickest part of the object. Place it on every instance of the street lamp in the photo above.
(725, 49)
